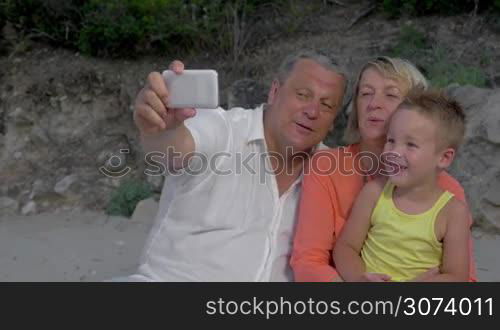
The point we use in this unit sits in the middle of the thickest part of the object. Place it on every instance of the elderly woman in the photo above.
(336, 176)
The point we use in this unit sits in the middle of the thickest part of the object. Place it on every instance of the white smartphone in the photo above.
(192, 89)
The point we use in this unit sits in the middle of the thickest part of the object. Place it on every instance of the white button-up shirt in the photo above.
(227, 222)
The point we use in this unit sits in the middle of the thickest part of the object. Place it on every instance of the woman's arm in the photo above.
(315, 233)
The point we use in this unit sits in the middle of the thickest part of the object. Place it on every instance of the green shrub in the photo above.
(410, 44)
(56, 21)
(443, 72)
(447, 73)
(123, 28)
(440, 69)
(125, 198)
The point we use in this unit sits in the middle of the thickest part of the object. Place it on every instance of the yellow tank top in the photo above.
(402, 245)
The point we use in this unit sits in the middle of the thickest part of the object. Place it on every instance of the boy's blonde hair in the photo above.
(402, 71)
(442, 109)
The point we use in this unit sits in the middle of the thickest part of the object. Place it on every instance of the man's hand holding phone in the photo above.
(163, 105)
(152, 114)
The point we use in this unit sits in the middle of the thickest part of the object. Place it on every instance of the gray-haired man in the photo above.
(234, 221)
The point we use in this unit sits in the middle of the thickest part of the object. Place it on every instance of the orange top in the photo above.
(328, 194)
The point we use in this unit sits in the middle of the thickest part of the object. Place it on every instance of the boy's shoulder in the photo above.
(455, 210)
(456, 206)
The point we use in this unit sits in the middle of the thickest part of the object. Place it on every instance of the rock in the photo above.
(39, 188)
(113, 157)
(477, 165)
(112, 161)
(475, 98)
(490, 217)
(493, 194)
(8, 205)
(9, 32)
(493, 130)
(246, 93)
(496, 81)
(39, 135)
(85, 98)
(54, 102)
(3, 128)
(73, 122)
(65, 183)
(156, 182)
(20, 117)
(29, 208)
(107, 109)
(65, 105)
(60, 90)
(145, 211)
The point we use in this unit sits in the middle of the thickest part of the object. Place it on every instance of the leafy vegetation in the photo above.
(434, 61)
(125, 198)
(124, 28)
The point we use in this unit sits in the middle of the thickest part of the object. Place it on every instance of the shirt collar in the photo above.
(257, 128)
(257, 124)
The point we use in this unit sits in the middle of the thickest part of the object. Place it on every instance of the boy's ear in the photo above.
(273, 91)
(446, 158)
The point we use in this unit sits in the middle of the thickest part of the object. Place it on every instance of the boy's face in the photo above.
(416, 155)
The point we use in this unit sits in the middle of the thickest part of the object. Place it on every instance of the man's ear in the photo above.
(446, 158)
(273, 91)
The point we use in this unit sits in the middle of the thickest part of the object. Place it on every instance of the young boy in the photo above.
(403, 225)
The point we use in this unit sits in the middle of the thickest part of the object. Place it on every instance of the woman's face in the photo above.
(378, 98)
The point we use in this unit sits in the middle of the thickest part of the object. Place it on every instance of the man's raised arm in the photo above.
(162, 128)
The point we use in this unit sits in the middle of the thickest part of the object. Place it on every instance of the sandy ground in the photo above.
(71, 247)
(95, 247)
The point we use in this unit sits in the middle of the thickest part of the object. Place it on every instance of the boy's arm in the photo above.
(447, 182)
(346, 253)
(455, 264)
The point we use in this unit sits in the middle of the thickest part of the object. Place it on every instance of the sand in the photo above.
(91, 246)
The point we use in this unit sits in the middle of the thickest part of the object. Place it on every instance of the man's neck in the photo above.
(287, 165)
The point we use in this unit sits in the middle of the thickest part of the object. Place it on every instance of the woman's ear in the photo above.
(273, 91)
(446, 158)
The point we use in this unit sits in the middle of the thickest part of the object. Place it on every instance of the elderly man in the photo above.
(234, 221)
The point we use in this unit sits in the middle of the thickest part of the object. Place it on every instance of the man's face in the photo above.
(303, 108)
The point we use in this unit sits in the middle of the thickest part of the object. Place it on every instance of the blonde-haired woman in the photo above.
(336, 176)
